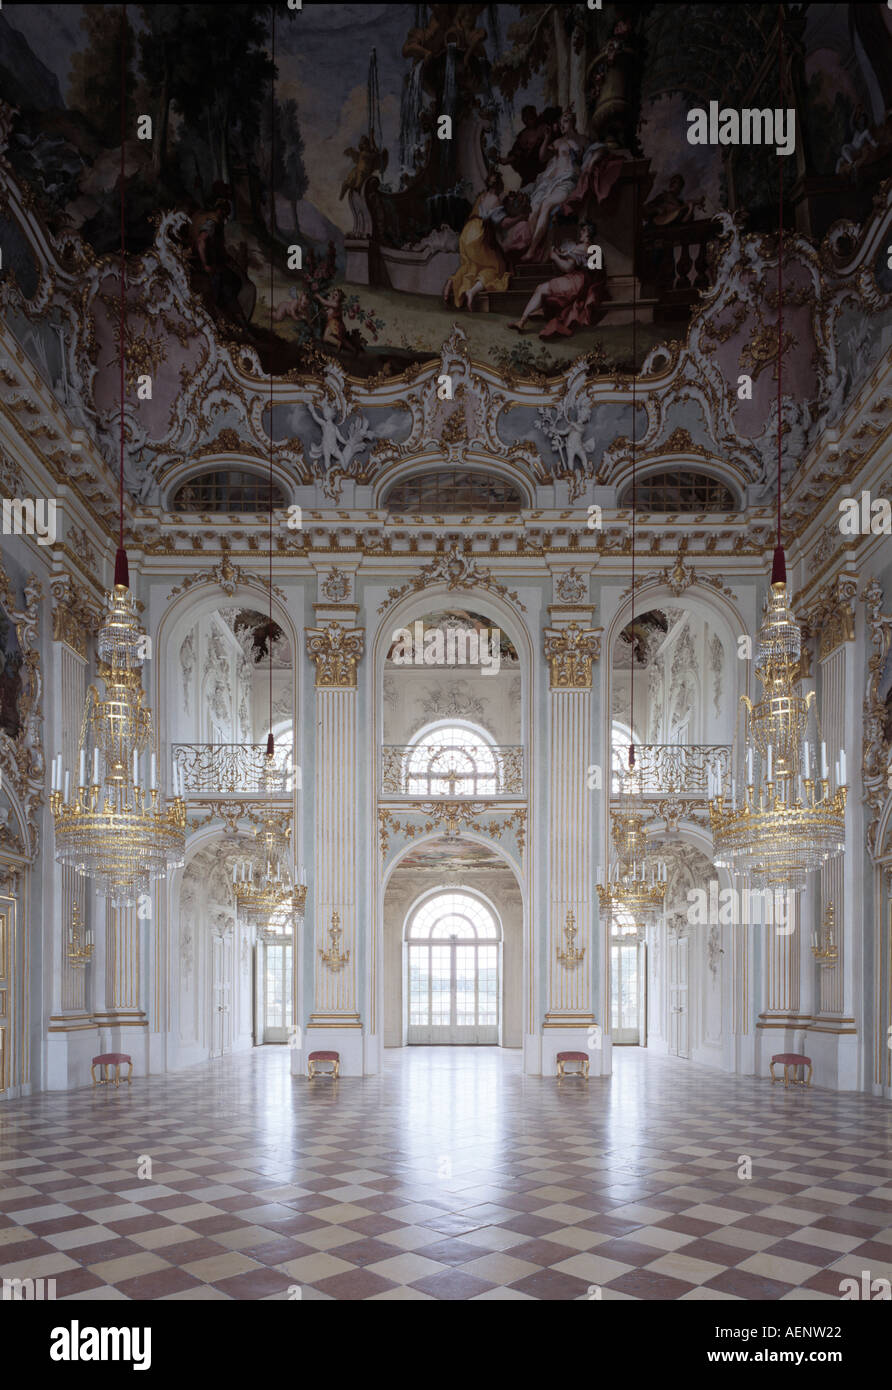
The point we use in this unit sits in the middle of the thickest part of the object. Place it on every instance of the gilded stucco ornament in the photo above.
(570, 652)
(336, 651)
(22, 761)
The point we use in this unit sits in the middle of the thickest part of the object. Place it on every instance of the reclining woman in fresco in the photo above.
(482, 265)
(563, 147)
(576, 295)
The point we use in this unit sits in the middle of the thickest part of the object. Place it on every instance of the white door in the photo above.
(221, 996)
(678, 996)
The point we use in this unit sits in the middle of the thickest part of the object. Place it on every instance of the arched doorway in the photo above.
(452, 973)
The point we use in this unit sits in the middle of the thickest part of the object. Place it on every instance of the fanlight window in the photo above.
(453, 917)
(451, 762)
(454, 490)
(680, 491)
(227, 490)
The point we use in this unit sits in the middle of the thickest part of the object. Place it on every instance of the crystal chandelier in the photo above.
(635, 890)
(273, 899)
(786, 820)
(114, 828)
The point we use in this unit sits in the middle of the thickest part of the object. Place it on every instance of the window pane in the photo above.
(441, 986)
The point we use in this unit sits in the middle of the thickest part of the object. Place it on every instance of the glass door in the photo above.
(276, 990)
(453, 993)
(625, 988)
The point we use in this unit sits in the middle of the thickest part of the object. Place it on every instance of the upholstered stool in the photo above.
(789, 1061)
(333, 1057)
(111, 1059)
(564, 1057)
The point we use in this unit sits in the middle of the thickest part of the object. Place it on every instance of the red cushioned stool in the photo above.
(564, 1057)
(789, 1061)
(333, 1057)
(111, 1059)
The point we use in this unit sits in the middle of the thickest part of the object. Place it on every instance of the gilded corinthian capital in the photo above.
(337, 651)
(570, 652)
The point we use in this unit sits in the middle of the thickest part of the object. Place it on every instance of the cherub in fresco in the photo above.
(328, 450)
(367, 160)
(298, 306)
(335, 331)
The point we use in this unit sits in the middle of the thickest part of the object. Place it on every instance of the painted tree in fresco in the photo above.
(560, 42)
(218, 88)
(294, 182)
(94, 87)
(159, 46)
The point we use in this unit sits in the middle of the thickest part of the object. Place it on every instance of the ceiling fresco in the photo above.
(304, 221)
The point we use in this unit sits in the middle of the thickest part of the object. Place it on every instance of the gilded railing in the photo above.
(452, 770)
(222, 769)
(670, 767)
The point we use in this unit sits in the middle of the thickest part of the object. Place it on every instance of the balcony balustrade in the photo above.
(230, 769)
(670, 767)
(452, 770)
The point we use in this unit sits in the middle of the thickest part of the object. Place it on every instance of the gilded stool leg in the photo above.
(808, 1079)
(560, 1072)
(336, 1070)
(771, 1069)
(93, 1074)
(311, 1070)
(130, 1075)
(585, 1069)
(117, 1075)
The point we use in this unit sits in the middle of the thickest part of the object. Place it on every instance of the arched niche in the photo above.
(428, 865)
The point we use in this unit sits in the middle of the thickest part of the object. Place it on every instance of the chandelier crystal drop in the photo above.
(779, 819)
(117, 828)
(273, 899)
(635, 889)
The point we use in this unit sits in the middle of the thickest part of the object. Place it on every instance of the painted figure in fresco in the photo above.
(220, 279)
(482, 265)
(576, 294)
(669, 207)
(858, 148)
(512, 224)
(367, 160)
(563, 150)
(525, 155)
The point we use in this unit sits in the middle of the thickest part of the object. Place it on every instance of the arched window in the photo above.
(680, 490)
(453, 971)
(454, 489)
(227, 490)
(451, 761)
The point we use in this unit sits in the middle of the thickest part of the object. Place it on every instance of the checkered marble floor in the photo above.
(452, 1176)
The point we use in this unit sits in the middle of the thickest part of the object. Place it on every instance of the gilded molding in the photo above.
(336, 651)
(451, 816)
(830, 614)
(875, 756)
(74, 621)
(570, 652)
(22, 761)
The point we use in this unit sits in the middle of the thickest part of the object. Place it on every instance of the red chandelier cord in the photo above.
(779, 567)
(270, 742)
(634, 474)
(122, 575)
